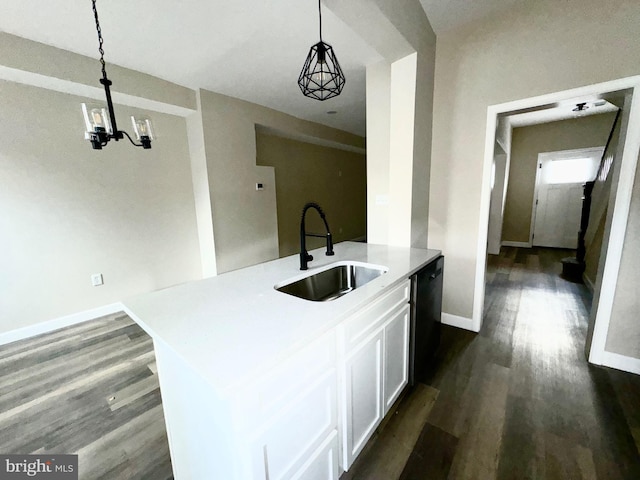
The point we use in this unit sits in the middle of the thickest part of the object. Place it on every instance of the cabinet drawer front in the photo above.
(362, 324)
(290, 439)
(323, 464)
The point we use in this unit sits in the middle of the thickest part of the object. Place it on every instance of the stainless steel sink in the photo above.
(332, 282)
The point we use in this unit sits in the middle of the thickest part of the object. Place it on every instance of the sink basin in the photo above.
(332, 282)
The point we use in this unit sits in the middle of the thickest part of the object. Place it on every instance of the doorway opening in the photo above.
(621, 93)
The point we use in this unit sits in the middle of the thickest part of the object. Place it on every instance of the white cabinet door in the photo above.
(363, 392)
(396, 356)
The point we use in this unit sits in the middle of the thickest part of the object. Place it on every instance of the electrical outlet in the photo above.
(96, 279)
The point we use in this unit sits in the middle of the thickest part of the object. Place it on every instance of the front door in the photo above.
(558, 202)
(558, 215)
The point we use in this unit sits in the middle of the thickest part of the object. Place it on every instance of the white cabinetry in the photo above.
(297, 438)
(304, 417)
(281, 425)
(396, 356)
(362, 396)
(374, 346)
(257, 384)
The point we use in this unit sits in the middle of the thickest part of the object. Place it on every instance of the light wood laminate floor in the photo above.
(89, 389)
(518, 400)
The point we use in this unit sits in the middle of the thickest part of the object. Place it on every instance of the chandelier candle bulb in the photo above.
(96, 118)
(144, 130)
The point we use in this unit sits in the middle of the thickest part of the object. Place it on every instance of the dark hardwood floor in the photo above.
(89, 389)
(518, 400)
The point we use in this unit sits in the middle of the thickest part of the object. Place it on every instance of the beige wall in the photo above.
(335, 179)
(526, 144)
(624, 328)
(542, 47)
(144, 219)
(37, 64)
(592, 253)
(501, 163)
(600, 198)
(67, 211)
(399, 116)
(496, 209)
(422, 128)
(245, 220)
(378, 107)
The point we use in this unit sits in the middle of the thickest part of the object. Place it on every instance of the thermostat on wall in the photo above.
(259, 186)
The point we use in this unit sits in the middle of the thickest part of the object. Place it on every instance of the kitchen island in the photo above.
(241, 365)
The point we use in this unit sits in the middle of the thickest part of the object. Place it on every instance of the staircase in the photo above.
(596, 195)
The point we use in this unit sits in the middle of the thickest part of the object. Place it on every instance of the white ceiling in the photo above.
(565, 111)
(249, 49)
(448, 14)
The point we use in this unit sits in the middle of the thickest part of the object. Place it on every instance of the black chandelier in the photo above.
(321, 77)
(101, 121)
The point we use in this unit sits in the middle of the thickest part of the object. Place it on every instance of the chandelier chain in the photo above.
(100, 40)
(319, 14)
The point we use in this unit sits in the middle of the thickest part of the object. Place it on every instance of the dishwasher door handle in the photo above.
(435, 275)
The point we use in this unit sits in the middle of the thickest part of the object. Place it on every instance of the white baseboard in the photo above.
(516, 244)
(621, 362)
(458, 321)
(60, 322)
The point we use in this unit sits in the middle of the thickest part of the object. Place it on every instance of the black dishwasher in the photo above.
(426, 308)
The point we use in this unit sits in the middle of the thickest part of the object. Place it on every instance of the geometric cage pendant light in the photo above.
(321, 77)
(100, 121)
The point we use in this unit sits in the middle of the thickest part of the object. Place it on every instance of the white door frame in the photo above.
(562, 154)
(628, 166)
(498, 194)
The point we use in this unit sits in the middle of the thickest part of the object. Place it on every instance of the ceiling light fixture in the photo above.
(321, 77)
(101, 121)
(580, 107)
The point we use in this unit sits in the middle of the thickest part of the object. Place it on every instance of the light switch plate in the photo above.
(382, 199)
(96, 279)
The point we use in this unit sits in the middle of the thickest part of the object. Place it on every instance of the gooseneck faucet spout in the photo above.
(305, 258)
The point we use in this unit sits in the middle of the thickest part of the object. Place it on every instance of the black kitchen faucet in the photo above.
(305, 258)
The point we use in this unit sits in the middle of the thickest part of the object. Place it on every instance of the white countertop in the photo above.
(234, 326)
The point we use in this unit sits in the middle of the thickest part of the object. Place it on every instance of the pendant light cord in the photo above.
(100, 40)
(319, 15)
